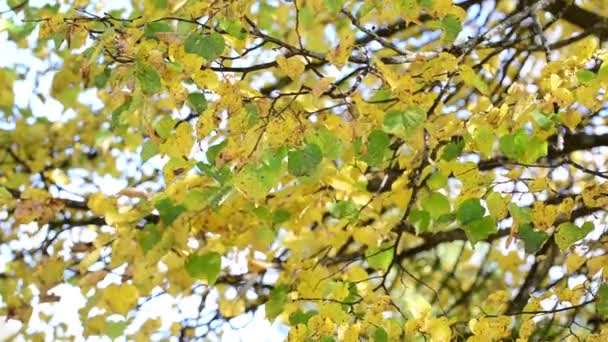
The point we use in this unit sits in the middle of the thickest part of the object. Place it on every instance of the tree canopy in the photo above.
(403, 170)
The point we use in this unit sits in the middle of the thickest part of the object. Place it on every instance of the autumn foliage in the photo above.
(407, 170)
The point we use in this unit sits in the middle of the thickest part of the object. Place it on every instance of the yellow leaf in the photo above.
(563, 96)
(439, 329)
(340, 54)
(7, 77)
(498, 205)
(120, 299)
(573, 262)
(570, 119)
(95, 325)
(99, 204)
(89, 260)
(539, 184)
(231, 308)
(321, 86)
(472, 79)
(206, 123)
(595, 264)
(205, 79)
(293, 67)
(543, 215)
(5, 197)
(491, 328)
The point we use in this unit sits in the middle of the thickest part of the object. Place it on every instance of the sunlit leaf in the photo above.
(436, 204)
(148, 78)
(168, 210)
(377, 146)
(533, 239)
(208, 46)
(480, 229)
(304, 162)
(276, 301)
(568, 233)
(470, 210)
(207, 266)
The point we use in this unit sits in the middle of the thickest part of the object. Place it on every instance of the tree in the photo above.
(410, 170)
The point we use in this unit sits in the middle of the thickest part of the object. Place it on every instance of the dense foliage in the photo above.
(403, 170)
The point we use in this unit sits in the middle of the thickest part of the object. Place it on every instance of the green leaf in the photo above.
(480, 229)
(280, 215)
(214, 150)
(334, 6)
(451, 27)
(327, 339)
(197, 199)
(164, 126)
(305, 161)
(521, 147)
(533, 239)
(266, 235)
(602, 301)
(116, 113)
(168, 211)
(446, 218)
(148, 78)
(5, 196)
(207, 46)
(197, 101)
(542, 120)
(233, 27)
(379, 258)
(262, 213)
(222, 175)
(357, 144)
(420, 219)
(255, 181)
(382, 94)
(148, 237)
(252, 115)
(470, 210)
(437, 181)
(343, 209)
(17, 32)
(300, 317)
(437, 204)
(568, 233)
(328, 142)
(207, 265)
(402, 122)
(513, 145)
(585, 76)
(160, 4)
(114, 329)
(184, 28)
(452, 150)
(377, 146)
(602, 74)
(380, 335)
(276, 301)
(484, 138)
(148, 150)
(521, 215)
(102, 78)
(158, 26)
